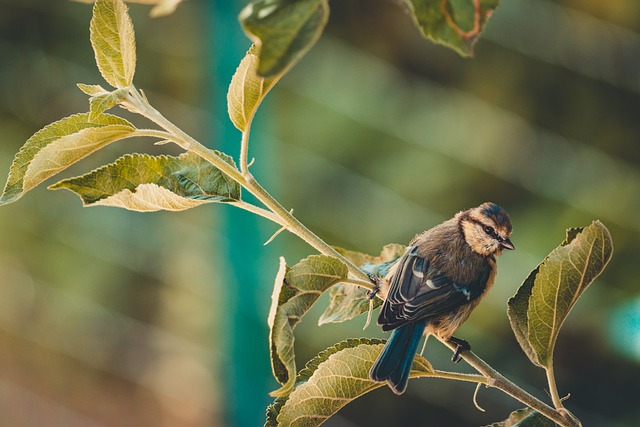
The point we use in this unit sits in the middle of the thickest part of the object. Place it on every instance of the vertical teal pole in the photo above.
(248, 267)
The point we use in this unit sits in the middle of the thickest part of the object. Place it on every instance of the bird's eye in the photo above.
(489, 230)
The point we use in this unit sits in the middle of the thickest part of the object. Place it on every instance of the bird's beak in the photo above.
(506, 243)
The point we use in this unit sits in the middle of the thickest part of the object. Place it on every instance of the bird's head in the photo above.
(486, 228)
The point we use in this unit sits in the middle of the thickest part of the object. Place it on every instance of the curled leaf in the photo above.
(247, 90)
(456, 24)
(98, 104)
(543, 302)
(59, 145)
(283, 30)
(292, 298)
(144, 183)
(329, 381)
(348, 301)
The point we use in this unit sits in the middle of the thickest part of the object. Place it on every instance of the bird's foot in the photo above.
(376, 280)
(461, 345)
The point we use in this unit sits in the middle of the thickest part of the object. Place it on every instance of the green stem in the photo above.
(244, 150)
(553, 388)
(137, 103)
(499, 381)
(258, 211)
(362, 283)
(556, 399)
(299, 229)
(472, 378)
(278, 214)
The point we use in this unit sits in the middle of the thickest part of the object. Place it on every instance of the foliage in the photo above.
(524, 418)
(332, 379)
(295, 291)
(282, 32)
(144, 183)
(544, 300)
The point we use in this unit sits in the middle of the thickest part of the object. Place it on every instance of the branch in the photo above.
(495, 379)
(137, 103)
(244, 150)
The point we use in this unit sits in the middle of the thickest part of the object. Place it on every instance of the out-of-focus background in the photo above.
(114, 318)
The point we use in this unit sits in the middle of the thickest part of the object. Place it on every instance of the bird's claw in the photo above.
(461, 345)
(376, 286)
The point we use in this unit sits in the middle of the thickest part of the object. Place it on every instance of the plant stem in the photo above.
(258, 211)
(499, 381)
(299, 229)
(137, 103)
(362, 283)
(472, 378)
(553, 388)
(278, 214)
(244, 149)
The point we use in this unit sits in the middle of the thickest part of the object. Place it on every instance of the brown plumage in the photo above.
(437, 283)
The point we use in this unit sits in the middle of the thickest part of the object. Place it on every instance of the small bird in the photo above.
(436, 284)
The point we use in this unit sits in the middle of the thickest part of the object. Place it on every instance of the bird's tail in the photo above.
(394, 362)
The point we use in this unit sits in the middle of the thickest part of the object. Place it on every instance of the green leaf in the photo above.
(247, 90)
(348, 301)
(59, 145)
(101, 103)
(113, 42)
(161, 8)
(332, 379)
(92, 90)
(453, 23)
(164, 8)
(102, 100)
(546, 297)
(526, 417)
(375, 264)
(144, 183)
(283, 30)
(294, 293)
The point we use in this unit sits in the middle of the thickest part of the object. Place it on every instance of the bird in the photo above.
(435, 285)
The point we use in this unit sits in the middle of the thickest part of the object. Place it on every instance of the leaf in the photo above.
(59, 145)
(526, 417)
(548, 294)
(92, 90)
(292, 298)
(453, 23)
(164, 8)
(375, 264)
(144, 183)
(332, 379)
(161, 8)
(348, 301)
(247, 90)
(283, 30)
(98, 104)
(113, 42)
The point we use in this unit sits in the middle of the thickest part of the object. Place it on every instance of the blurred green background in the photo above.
(114, 318)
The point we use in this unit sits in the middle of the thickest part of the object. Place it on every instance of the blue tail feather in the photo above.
(394, 362)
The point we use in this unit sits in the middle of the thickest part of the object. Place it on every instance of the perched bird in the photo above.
(436, 284)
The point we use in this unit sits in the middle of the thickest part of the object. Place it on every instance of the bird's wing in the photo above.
(417, 291)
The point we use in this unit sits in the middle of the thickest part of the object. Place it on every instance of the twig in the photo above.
(499, 381)
(137, 103)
